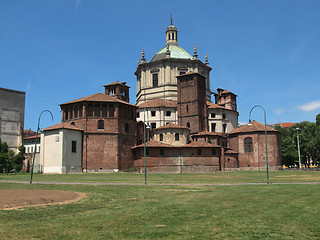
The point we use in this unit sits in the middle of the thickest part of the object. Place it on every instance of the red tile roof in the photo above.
(117, 83)
(98, 97)
(254, 127)
(226, 91)
(207, 133)
(287, 124)
(28, 133)
(171, 125)
(223, 91)
(216, 106)
(31, 137)
(64, 125)
(201, 144)
(158, 103)
(154, 143)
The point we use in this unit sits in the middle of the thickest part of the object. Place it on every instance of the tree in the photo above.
(307, 136)
(316, 159)
(309, 140)
(288, 146)
(318, 120)
(9, 161)
(17, 161)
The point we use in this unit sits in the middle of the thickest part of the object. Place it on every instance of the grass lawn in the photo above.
(171, 212)
(219, 177)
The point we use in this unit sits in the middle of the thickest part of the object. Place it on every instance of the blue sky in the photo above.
(267, 52)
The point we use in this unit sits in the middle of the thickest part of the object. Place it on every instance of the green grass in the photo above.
(219, 177)
(186, 212)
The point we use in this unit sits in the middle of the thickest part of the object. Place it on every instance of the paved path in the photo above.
(156, 184)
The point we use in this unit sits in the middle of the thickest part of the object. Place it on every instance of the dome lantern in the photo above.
(171, 34)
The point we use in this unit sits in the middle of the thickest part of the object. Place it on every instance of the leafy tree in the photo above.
(318, 120)
(309, 139)
(9, 161)
(288, 146)
(316, 159)
(17, 161)
(307, 142)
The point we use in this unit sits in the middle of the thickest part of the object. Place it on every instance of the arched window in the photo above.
(90, 110)
(80, 111)
(111, 110)
(176, 137)
(161, 151)
(155, 79)
(161, 137)
(248, 145)
(66, 114)
(100, 125)
(71, 113)
(188, 125)
(75, 113)
(104, 110)
(199, 152)
(126, 127)
(97, 110)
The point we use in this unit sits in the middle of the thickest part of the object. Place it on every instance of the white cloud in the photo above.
(308, 107)
(278, 111)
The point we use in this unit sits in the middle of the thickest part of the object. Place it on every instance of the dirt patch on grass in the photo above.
(13, 199)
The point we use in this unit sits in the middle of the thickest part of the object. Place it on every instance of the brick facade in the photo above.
(178, 159)
(110, 129)
(255, 158)
(192, 108)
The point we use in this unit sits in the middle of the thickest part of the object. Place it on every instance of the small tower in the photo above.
(118, 90)
(226, 98)
(172, 34)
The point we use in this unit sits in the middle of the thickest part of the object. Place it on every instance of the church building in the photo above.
(174, 124)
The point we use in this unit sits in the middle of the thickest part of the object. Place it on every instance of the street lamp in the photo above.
(298, 129)
(145, 147)
(35, 144)
(265, 133)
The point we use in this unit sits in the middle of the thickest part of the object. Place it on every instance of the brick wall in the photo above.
(177, 160)
(192, 108)
(107, 138)
(257, 158)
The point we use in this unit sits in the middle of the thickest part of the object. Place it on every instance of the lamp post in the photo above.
(298, 129)
(35, 144)
(265, 133)
(145, 147)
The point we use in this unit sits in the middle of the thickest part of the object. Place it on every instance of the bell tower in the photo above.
(118, 90)
(192, 107)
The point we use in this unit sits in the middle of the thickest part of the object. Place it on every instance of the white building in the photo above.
(29, 142)
(61, 149)
(158, 112)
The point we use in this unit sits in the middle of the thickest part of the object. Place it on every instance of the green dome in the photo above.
(175, 52)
